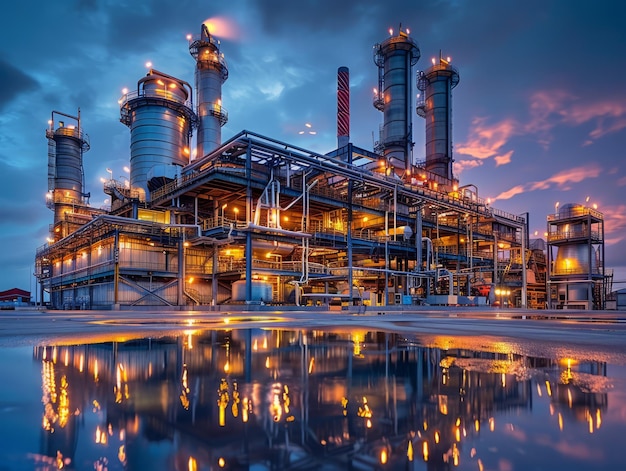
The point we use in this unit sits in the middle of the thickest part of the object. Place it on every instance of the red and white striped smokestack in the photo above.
(343, 106)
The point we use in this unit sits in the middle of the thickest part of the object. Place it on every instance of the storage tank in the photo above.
(435, 105)
(211, 73)
(395, 57)
(66, 145)
(161, 119)
(261, 291)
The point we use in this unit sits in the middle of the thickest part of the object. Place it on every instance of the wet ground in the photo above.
(433, 389)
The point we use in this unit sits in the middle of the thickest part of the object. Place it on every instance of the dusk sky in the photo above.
(539, 115)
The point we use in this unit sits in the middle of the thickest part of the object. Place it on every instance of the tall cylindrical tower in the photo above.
(161, 119)
(394, 57)
(435, 105)
(343, 106)
(211, 73)
(66, 145)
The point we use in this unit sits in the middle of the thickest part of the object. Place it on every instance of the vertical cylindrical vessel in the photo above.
(161, 119)
(395, 58)
(437, 83)
(66, 145)
(343, 106)
(211, 73)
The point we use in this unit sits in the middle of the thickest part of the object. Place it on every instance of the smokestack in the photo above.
(343, 106)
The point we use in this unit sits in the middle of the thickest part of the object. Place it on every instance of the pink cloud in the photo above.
(461, 165)
(503, 159)
(486, 140)
(508, 194)
(561, 179)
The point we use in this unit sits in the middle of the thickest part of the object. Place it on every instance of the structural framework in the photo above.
(255, 221)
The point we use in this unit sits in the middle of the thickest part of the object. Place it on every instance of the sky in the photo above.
(539, 115)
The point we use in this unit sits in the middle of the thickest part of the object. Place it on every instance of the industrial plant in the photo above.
(251, 221)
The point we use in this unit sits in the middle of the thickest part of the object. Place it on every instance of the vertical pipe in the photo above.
(343, 106)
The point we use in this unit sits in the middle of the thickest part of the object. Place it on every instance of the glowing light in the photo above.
(425, 450)
(148, 64)
(383, 456)
(192, 465)
(221, 27)
(492, 424)
(221, 462)
(436, 437)
(409, 451)
(560, 422)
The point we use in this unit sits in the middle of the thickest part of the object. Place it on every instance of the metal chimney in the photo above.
(343, 106)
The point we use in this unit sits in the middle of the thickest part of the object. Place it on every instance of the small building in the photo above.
(13, 297)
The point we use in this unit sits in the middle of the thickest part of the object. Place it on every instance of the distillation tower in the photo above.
(395, 58)
(435, 105)
(66, 146)
(211, 73)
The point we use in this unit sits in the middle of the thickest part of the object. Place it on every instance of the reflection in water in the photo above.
(273, 399)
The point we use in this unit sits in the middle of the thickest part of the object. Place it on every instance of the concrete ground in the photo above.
(600, 335)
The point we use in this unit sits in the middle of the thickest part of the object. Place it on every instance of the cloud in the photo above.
(560, 180)
(503, 159)
(14, 82)
(486, 140)
(551, 108)
(547, 110)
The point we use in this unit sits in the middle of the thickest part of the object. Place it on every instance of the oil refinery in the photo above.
(203, 223)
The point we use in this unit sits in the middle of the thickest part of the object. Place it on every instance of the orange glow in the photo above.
(222, 27)
(425, 451)
(409, 451)
(383, 456)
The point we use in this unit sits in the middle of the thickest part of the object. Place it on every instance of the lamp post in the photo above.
(222, 217)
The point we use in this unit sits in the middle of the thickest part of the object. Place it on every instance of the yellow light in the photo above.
(548, 388)
(560, 422)
(492, 424)
(221, 462)
(409, 451)
(192, 465)
(436, 437)
(383, 456)
(425, 450)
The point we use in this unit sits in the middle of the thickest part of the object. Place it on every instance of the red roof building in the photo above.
(14, 295)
